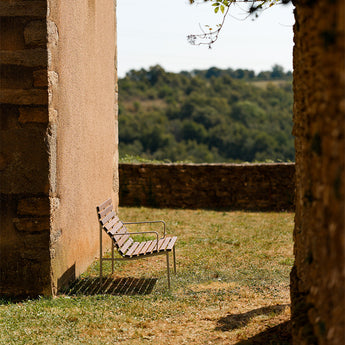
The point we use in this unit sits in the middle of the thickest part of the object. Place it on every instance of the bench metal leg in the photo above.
(168, 270)
(112, 257)
(100, 254)
(174, 255)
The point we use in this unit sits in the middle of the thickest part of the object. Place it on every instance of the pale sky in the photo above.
(154, 32)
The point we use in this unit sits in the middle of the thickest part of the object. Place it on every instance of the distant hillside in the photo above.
(209, 115)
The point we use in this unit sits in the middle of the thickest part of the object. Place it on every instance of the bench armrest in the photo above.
(148, 222)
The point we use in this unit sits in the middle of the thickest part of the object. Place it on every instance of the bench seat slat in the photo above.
(171, 243)
(105, 211)
(132, 249)
(124, 248)
(160, 242)
(152, 246)
(116, 228)
(104, 205)
(145, 247)
(138, 249)
(164, 243)
(108, 217)
(122, 240)
(110, 224)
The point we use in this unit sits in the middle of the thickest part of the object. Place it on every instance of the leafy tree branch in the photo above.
(210, 36)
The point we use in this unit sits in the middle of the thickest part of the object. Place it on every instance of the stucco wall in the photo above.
(24, 234)
(83, 129)
(219, 186)
(318, 277)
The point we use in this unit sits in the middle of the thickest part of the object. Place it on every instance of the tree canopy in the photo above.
(213, 115)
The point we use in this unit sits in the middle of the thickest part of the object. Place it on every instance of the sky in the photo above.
(152, 32)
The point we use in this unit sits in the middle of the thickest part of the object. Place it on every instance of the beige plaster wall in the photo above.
(82, 129)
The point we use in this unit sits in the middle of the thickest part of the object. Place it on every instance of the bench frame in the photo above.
(101, 208)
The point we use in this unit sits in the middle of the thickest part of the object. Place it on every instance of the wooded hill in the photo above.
(209, 115)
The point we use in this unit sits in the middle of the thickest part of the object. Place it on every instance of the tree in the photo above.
(211, 35)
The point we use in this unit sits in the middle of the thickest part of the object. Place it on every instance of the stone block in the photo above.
(33, 114)
(19, 8)
(27, 57)
(12, 37)
(35, 33)
(24, 97)
(32, 224)
(9, 116)
(33, 207)
(16, 77)
(26, 168)
(40, 78)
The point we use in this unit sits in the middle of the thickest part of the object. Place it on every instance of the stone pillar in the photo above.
(58, 138)
(24, 236)
(318, 276)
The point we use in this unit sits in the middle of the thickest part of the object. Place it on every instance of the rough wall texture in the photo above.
(318, 277)
(83, 129)
(221, 186)
(24, 235)
(58, 156)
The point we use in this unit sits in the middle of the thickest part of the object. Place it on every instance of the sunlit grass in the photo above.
(229, 265)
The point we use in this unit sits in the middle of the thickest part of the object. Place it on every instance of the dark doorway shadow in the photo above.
(111, 286)
(278, 335)
(234, 321)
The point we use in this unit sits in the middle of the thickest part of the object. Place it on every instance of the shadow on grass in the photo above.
(234, 321)
(278, 335)
(111, 286)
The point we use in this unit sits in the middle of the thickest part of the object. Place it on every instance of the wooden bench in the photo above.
(126, 246)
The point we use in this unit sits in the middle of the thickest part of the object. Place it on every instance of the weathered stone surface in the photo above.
(40, 78)
(9, 77)
(9, 116)
(16, 96)
(26, 169)
(318, 277)
(32, 224)
(33, 114)
(219, 186)
(27, 57)
(35, 33)
(17, 8)
(11, 29)
(36, 206)
(24, 256)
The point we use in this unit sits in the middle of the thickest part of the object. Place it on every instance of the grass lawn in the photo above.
(231, 287)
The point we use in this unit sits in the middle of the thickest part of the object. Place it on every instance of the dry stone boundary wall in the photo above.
(209, 186)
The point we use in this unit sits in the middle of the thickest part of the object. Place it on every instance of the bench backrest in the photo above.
(113, 226)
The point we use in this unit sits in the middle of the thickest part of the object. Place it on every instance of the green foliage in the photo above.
(209, 115)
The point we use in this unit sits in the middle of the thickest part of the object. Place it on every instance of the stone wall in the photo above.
(218, 186)
(24, 236)
(58, 138)
(318, 276)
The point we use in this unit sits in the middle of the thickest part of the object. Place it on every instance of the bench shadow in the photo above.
(111, 286)
(277, 335)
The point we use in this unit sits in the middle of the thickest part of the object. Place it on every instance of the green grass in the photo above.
(229, 266)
